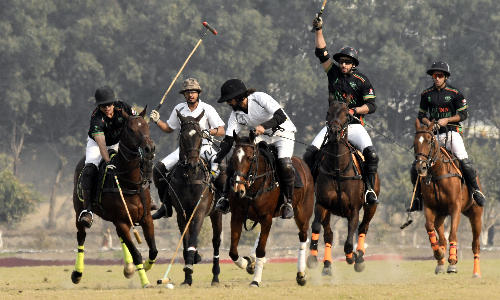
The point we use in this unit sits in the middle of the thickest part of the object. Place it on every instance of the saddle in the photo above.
(357, 158)
(270, 152)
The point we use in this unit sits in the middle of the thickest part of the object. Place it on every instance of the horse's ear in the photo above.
(417, 124)
(330, 99)
(252, 136)
(200, 116)
(143, 112)
(125, 115)
(181, 117)
(235, 136)
(431, 125)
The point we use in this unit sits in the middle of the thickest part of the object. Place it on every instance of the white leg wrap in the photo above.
(259, 265)
(301, 261)
(241, 262)
(254, 249)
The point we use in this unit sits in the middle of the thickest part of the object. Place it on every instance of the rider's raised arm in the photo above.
(321, 52)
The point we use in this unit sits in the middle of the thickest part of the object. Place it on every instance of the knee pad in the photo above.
(159, 171)
(371, 159)
(310, 155)
(285, 168)
(89, 177)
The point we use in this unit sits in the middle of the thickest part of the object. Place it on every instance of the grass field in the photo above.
(379, 280)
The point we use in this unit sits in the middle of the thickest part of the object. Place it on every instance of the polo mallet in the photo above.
(165, 279)
(199, 42)
(137, 236)
(319, 15)
(408, 220)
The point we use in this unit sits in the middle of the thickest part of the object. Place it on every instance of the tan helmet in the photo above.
(190, 84)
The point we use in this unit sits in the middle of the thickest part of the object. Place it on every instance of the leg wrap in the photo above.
(328, 252)
(433, 240)
(127, 257)
(301, 261)
(453, 251)
(149, 264)
(259, 265)
(142, 275)
(314, 244)
(241, 262)
(361, 243)
(79, 260)
(477, 270)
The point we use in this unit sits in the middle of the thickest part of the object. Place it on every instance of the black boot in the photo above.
(470, 179)
(417, 203)
(371, 166)
(223, 202)
(287, 176)
(89, 181)
(160, 179)
(310, 156)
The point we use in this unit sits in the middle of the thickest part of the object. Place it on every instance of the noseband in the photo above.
(189, 150)
(252, 171)
(431, 157)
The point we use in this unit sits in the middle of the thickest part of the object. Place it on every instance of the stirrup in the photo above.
(371, 191)
(283, 208)
(222, 205)
(85, 223)
(481, 202)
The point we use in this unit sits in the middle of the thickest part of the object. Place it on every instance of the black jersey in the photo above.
(444, 103)
(111, 128)
(355, 84)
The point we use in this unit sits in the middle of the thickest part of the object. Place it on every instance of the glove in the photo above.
(318, 22)
(205, 134)
(436, 127)
(214, 171)
(154, 116)
(109, 165)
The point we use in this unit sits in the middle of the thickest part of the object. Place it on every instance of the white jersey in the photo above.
(261, 108)
(211, 118)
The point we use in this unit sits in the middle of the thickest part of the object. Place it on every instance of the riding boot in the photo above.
(287, 177)
(89, 181)
(371, 166)
(310, 156)
(223, 202)
(160, 180)
(417, 199)
(470, 179)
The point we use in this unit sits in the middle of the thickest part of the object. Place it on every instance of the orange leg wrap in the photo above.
(328, 252)
(453, 250)
(314, 237)
(476, 265)
(433, 240)
(361, 243)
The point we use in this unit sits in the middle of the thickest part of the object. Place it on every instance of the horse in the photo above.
(190, 187)
(444, 193)
(340, 191)
(255, 195)
(134, 157)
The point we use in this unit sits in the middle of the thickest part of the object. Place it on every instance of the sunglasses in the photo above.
(435, 76)
(345, 61)
(106, 105)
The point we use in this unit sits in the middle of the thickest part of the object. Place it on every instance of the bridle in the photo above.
(187, 153)
(251, 175)
(336, 124)
(432, 156)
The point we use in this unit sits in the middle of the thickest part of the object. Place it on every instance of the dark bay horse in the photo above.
(135, 154)
(255, 195)
(444, 194)
(190, 186)
(340, 191)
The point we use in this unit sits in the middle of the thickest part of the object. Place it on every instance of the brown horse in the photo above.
(189, 187)
(135, 154)
(255, 195)
(444, 194)
(339, 175)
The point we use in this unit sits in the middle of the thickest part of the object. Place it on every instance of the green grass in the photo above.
(380, 280)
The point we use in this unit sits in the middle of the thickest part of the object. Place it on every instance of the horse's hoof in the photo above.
(439, 255)
(254, 284)
(128, 270)
(476, 275)
(452, 269)
(312, 261)
(301, 278)
(439, 269)
(352, 259)
(215, 283)
(327, 271)
(148, 286)
(359, 264)
(185, 284)
(188, 269)
(250, 264)
(76, 277)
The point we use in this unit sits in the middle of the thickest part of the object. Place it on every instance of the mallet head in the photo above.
(163, 281)
(209, 27)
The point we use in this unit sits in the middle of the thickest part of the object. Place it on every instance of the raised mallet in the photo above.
(319, 15)
(212, 30)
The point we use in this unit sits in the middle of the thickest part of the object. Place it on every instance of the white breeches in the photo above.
(283, 141)
(206, 152)
(92, 154)
(454, 143)
(356, 135)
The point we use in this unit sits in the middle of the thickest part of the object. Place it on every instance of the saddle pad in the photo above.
(270, 151)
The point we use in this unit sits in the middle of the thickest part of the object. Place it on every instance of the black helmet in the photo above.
(104, 95)
(439, 66)
(231, 89)
(349, 52)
